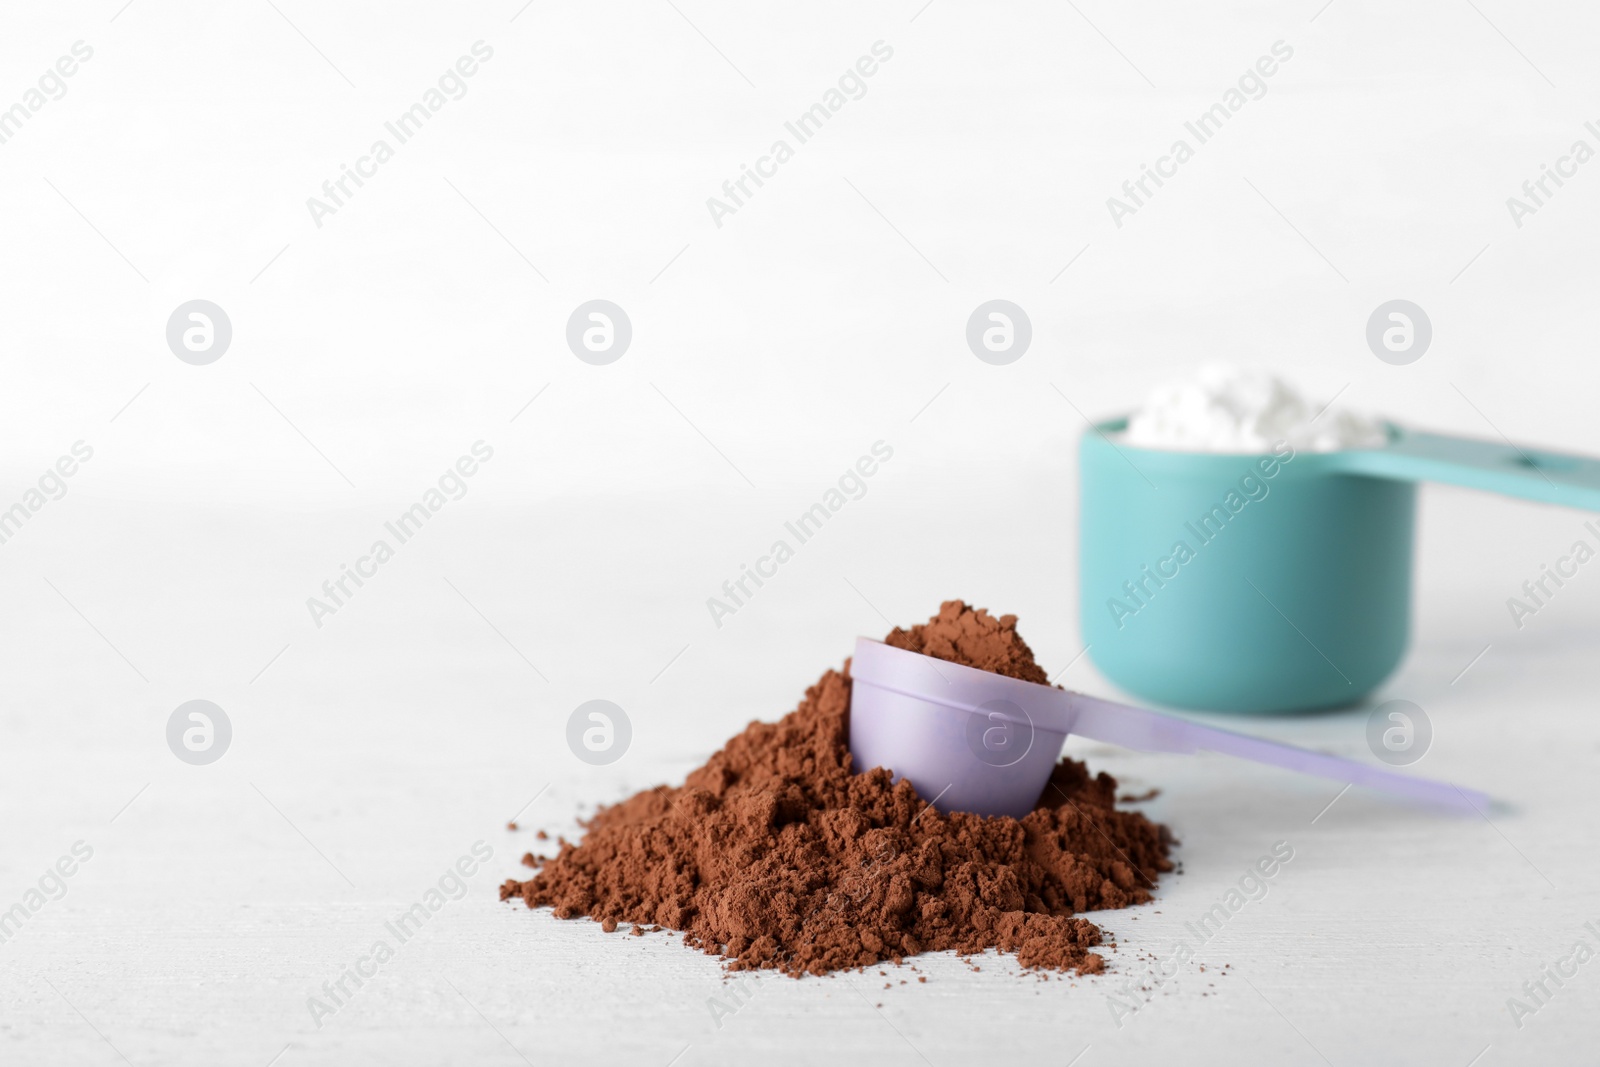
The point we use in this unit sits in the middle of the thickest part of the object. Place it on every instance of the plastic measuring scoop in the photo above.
(975, 741)
(1275, 582)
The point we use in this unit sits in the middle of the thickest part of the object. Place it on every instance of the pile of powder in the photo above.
(776, 854)
(973, 639)
(1226, 409)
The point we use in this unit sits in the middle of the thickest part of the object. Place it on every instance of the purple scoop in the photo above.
(981, 742)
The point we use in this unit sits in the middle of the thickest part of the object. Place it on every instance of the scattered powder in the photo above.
(776, 855)
(1227, 409)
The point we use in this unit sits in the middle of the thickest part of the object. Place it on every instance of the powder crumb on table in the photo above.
(776, 854)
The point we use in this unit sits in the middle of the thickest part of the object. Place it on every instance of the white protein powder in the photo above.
(1229, 409)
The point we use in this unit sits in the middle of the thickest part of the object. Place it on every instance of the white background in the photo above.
(768, 354)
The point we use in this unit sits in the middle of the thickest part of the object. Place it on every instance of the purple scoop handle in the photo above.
(1150, 731)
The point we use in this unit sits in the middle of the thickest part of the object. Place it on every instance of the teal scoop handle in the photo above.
(1531, 474)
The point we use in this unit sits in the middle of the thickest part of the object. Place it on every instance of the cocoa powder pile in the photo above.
(777, 854)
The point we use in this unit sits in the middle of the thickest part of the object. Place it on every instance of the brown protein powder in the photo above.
(776, 854)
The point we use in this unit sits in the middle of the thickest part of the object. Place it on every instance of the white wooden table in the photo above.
(373, 753)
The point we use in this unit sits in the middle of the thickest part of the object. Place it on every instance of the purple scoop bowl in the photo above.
(975, 741)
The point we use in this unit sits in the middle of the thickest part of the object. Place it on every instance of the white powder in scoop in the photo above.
(1228, 409)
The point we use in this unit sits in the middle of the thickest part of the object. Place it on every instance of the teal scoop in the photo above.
(1273, 582)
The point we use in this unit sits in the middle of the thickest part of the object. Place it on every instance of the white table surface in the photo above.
(376, 751)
